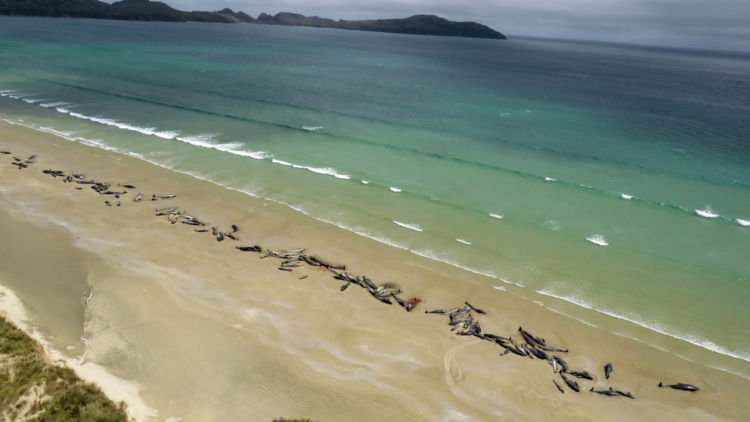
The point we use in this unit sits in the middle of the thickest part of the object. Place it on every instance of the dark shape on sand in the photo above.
(581, 374)
(254, 248)
(613, 393)
(557, 360)
(608, 393)
(475, 309)
(560, 389)
(572, 384)
(680, 386)
(608, 369)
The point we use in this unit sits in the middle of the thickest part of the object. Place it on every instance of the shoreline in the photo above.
(115, 389)
(418, 282)
(654, 329)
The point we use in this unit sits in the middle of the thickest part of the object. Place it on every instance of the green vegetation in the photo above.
(145, 10)
(32, 388)
(417, 24)
(140, 10)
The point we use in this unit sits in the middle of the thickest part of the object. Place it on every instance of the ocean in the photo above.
(608, 182)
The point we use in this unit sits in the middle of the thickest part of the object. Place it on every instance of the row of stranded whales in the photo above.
(461, 319)
(21, 163)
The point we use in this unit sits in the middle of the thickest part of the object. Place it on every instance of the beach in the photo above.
(206, 332)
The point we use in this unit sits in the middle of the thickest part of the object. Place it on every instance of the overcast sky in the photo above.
(719, 24)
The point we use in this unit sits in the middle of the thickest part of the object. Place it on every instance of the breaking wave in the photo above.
(598, 239)
(653, 326)
(414, 227)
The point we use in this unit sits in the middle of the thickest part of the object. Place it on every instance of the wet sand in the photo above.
(210, 333)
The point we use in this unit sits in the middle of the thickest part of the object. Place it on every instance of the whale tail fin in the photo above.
(592, 389)
(660, 384)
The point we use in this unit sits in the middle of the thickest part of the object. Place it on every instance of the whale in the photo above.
(681, 386)
(608, 369)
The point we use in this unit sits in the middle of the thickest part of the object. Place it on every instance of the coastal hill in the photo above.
(417, 24)
(145, 10)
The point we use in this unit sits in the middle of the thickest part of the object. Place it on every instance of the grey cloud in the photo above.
(721, 24)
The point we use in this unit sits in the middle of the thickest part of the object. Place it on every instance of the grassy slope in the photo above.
(24, 366)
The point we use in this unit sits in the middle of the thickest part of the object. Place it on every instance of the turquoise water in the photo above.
(614, 178)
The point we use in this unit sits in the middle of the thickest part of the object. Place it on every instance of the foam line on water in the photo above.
(166, 134)
(653, 326)
(414, 227)
(707, 212)
(598, 240)
(53, 104)
(150, 131)
(465, 242)
(326, 171)
(209, 141)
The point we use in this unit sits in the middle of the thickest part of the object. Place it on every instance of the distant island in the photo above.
(146, 10)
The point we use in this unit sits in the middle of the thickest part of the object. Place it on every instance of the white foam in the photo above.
(744, 223)
(150, 131)
(56, 132)
(550, 179)
(16, 95)
(312, 128)
(496, 216)
(62, 110)
(395, 190)
(365, 182)
(597, 239)
(324, 171)
(53, 104)
(208, 141)
(707, 213)
(98, 144)
(499, 287)
(167, 134)
(626, 196)
(32, 100)
(414, 227)
(465, 242)
(651, 325)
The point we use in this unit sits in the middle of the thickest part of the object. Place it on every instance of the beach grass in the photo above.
(33, 388)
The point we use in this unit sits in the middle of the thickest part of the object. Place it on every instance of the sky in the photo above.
(712, 24)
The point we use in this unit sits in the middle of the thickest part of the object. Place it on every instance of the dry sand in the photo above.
(182, 326)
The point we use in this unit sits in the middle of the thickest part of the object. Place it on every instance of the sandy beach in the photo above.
(181, 326)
